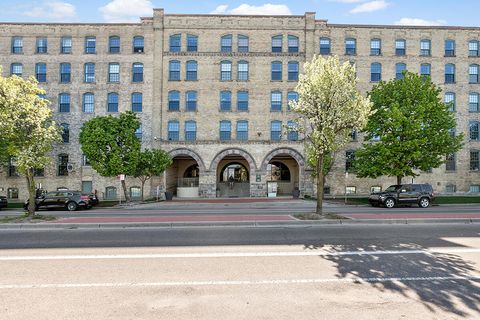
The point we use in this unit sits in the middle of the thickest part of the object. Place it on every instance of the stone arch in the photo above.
(187, 152)
(236, 151)
(292, 152)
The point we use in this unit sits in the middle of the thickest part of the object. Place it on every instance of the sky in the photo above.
(399, 12)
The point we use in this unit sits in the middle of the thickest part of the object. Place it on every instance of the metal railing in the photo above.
(187, 182)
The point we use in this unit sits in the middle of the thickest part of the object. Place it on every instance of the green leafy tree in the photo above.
(111, 146)
(151, 163)
(330, 108)
(413, 125)
(27, 129)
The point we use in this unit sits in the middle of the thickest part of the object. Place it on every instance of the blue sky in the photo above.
(416, 12)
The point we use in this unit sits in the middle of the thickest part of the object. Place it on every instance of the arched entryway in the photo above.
(233, 168)
(284, 168)
(182, 177)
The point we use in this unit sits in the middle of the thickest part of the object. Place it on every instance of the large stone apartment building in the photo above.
(213, 91)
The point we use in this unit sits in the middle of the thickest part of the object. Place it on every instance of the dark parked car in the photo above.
(3, 202)
(93, 198)
(70, 200)
(421, 194)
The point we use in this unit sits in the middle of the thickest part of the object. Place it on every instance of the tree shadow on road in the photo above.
(448, 294)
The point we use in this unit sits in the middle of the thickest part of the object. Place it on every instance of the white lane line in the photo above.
(228, 282)
(238, 254)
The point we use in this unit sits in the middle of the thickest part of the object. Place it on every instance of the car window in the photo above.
(392, 188)
(51, 194)
(406, 188)
(417, 188)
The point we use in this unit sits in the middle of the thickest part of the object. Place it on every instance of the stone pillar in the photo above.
(258, 188)
(207, 184)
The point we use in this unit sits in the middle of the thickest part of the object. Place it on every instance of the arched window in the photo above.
(278, 171)
(110, 193)
(192, 70)
(293, 71)
(225, 71)
(449, 73)
(292, 131)
(449, 48)
(226, 43)
(234, 172)
(474, 130)
(89, 72)
(138, 44)
(242, 43)
(291, 96)
(88, 102)
(190, 130)
(325, 46)
(375, 47)
(277, 71)
(114, 44)
(139, 132)
(64, 102)
(173, 130)
(174, 70)
(425, 70)
(135, 193)
(450, 101)
(175, 43)
(137, 72)
(16, 69)
(65, 132)
(191, 101)
(400, 47)
(375, 72)
(425, 47)
(399, 69)
(242, 71)
(473, 48)
(174, 100)
(242, 130)
(137, 102)
(473, 73)
(225, 130)
(473, 102)
(192, 172)
(292, 44)
(276, 130)
(242, 100)
(62, 164)
(192, 43)
(350, 46)
(277, 43)
(276, 101)
(225, 101)
(41, 72)
(65, 72)
(112, 103)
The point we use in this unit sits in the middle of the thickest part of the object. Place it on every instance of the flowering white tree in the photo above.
(27, 128)
(329, 108)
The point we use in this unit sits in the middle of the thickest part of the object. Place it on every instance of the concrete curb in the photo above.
(248, 224)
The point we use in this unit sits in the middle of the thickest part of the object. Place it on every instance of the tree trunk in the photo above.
(399, 180)
(320, 184)
(143, 183)
(31, 193)
(124, 187)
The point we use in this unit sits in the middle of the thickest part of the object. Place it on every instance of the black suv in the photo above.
(70, 200)
(421, 194)
(3, 202)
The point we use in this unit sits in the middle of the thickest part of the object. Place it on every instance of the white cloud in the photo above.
(347, 1)
(246, 9)
(370, 6)
(126, 10)
(420, 22)
(51, 10)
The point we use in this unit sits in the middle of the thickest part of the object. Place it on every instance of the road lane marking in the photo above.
(231, 282)
(234, 254)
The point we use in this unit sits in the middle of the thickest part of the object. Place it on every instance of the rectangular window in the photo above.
(226, 43)
(63, 165)
(66, 45)
(473, 48)
(174, 71)
(242, 101)
(473, 102)
(41, 72)
(474, 131)
(17, 45)
(293, 71)
(450, 101)
(399, 69)
(173, 130)
(226, 71)
(90, 45)
(225, 130)
(88, 102)
(242, 43)
(137, 72)
(276, 131)
(242, 130)
(349, 159)
(138, 45)
(191, 71)
(276, 101)
(137, 102)
(474, 188)
(449, 73)
(475, 160)
(174, 101)
(242, 71)
(425, 47)
(175, 43)
(425, 70)
(190, 131)
(113, 72)
(42, 46)
(292, 96)
(292, 44)
(375, 189)
(350, 47)
(64, 103)
(112, 102)
(276, 71)
(16, 69)
(65, 73)
(90, 72)
(292, 131)
(400, 47)
(325, 46)
(449, 48)
(450, 164)
(450, 188)
(350, 190)
(375, 72)
(192, 43)
(191, 101)
(277, 43)
(375, 47)
(225, 101)
(114, 45)
(473, 73)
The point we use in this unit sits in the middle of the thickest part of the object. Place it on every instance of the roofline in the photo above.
(392, 26)
(232, 15)
(73, 23)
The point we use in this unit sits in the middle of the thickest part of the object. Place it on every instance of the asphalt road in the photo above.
(261, 208)
(326, 272)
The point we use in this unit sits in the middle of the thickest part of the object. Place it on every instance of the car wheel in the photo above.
(71, 206)
(390, 203)
(424, 203)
